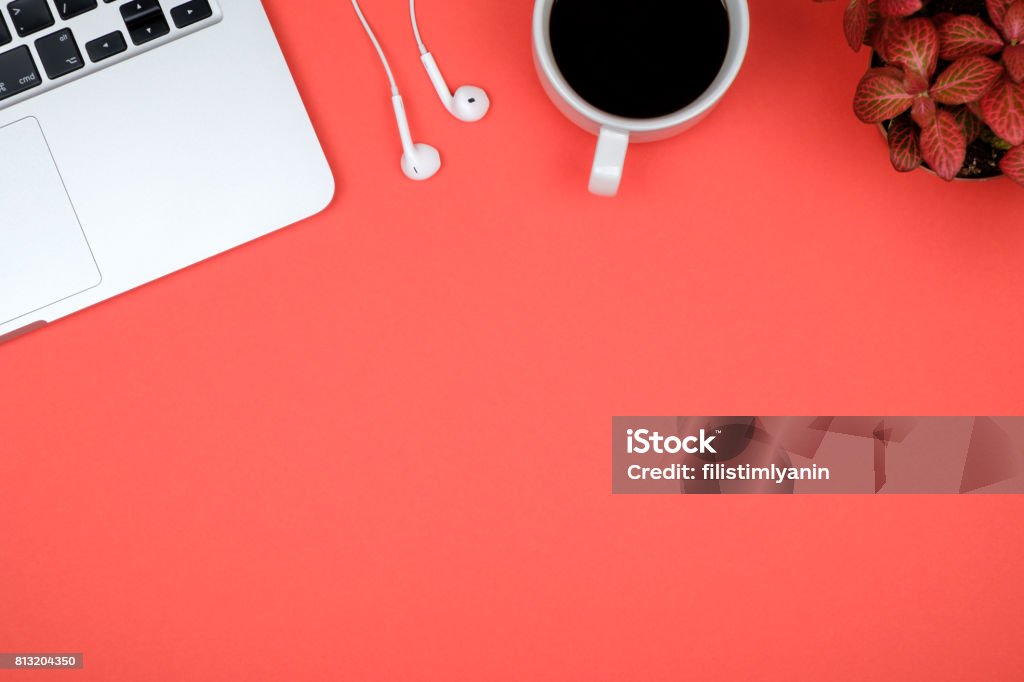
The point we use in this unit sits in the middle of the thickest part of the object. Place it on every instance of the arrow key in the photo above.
(140, 11)
(59, 54)
(143, 33)
(191, 12)
(144, 20)
(106, 46)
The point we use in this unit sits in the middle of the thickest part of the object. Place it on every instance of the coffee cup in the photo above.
(636, 70)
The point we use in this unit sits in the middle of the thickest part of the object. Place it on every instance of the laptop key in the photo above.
(144, 20)
(72, 8)
(191, 13)
(59, 54)
(140, 11)
(106, 46)
(55, 53)
(149, 31)
(17, 72)
(29, 16)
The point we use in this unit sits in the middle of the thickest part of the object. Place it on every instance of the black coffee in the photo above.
(640, 58)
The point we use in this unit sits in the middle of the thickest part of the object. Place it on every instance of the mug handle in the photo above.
(609, 162)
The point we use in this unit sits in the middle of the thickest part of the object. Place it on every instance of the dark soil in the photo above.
(975, 7)
(982, 161)
(982, 158)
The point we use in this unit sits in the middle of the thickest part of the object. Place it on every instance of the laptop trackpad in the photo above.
(44, 256)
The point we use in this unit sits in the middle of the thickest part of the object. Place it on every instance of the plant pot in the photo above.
(876, 61)
(982, 158)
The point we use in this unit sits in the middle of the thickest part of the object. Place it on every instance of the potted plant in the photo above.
(946, 83)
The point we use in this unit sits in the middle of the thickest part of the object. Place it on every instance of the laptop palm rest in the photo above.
(44, 255)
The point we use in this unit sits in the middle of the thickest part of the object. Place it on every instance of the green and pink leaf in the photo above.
(1003, 110)
(915, 83)
(944, 145)
(1012, 164)
(967, 36)
(881, 32)
(1013, 22)
(966, 80)
(904, 145)
(997, 12)
(899, 8)
(855, 23)
(923, 111)
(914, 46)
(969, 123)
(880, 96)
(1013, 60)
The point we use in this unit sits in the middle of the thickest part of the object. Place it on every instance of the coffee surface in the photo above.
(640, 58)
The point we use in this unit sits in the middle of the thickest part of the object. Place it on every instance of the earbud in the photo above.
(419, 161)
(468, 104)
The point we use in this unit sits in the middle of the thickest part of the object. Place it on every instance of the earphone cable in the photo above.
(376, 45)
(416, 27)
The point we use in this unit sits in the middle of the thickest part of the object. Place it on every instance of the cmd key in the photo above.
(17, 72)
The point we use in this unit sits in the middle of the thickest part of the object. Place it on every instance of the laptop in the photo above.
(138, 137)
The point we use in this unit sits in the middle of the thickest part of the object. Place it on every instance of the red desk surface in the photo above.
(375, 446)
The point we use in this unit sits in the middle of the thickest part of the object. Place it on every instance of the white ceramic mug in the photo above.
(615, 132)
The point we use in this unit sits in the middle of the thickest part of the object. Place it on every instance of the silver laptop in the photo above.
(138, 137)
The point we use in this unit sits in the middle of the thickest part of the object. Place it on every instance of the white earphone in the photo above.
(419, 161)
(469, 103)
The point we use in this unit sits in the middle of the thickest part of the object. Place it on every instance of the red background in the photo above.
(376, 445)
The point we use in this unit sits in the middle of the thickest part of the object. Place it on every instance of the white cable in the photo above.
(416, 28)
(376, 45)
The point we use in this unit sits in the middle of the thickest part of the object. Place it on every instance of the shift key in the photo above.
(17, 72)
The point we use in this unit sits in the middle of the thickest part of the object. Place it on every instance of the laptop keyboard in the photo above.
(46, 43)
